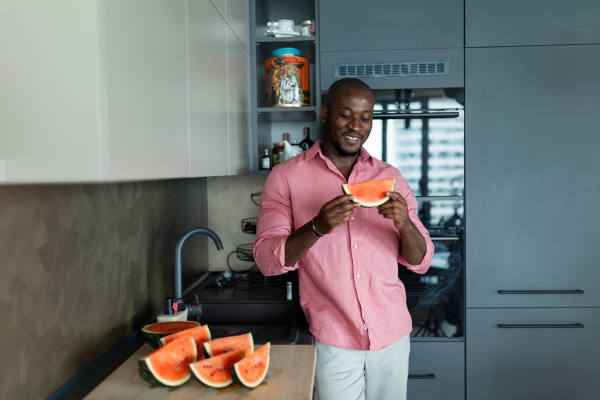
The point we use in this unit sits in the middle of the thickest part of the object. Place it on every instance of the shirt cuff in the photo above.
(270, 256)
(425, 263)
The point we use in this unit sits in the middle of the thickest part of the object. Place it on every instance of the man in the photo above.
(346, 256)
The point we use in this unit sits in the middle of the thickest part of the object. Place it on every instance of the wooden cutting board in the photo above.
(290, 376)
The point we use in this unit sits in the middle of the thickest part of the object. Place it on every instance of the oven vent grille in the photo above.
(385, 70)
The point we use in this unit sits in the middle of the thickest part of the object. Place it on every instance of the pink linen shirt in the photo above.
(349, 286)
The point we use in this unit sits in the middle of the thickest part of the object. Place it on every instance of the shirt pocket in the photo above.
(381, 234)
(376, 223)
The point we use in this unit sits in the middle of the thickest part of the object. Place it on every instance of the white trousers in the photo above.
(343, 374)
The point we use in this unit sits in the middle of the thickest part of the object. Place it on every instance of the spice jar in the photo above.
(277, 153)
(308, 28)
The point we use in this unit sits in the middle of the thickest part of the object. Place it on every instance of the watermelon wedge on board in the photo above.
(370, 193)
(169, 365)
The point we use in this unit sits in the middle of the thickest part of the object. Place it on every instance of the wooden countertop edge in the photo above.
(291, 376)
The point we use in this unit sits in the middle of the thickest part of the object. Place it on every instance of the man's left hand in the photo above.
(396, 209)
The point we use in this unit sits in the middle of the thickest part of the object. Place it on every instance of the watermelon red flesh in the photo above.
(153, 332)
(216, 371)
(229, 343)
(169, 365)
(252, 370)
(201, 334)
(371, 193)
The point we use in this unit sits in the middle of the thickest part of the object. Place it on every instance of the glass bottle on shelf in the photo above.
(265, 162)
(277, 153)
(306, 143)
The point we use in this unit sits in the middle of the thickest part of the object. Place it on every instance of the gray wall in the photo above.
(82, 266)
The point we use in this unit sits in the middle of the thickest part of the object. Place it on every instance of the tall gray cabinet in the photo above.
(363, 36)
(532, 166)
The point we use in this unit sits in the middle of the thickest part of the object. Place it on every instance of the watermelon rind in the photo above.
(153, 338)
(193, 332)
(253, 359)
(210, 352)
(229, 359)
(370, 204)
(149, 373)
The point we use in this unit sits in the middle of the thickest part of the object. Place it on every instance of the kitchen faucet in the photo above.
(180, 243)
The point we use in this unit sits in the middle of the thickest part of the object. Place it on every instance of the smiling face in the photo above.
(348, 120)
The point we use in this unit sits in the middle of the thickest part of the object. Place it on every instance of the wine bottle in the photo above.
(306, 143)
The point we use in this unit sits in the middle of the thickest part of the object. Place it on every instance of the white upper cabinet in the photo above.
(238, 65)
(209, 119)
(50, 125)
(146, 82)
(107, 90)
(238, 19)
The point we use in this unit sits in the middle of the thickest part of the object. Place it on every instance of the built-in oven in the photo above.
(421, 132)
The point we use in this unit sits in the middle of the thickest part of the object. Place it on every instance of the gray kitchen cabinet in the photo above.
(400, 69)
(437, 370)
(532, 168)
(353, 25)
(541, 22)
(533, 353)
(270, 122)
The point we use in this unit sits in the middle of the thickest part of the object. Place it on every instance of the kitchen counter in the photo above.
(290, 376)
(271, 290)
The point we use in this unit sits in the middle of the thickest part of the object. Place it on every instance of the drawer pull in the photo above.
(426, 376)
(577, 291)
(514, 326)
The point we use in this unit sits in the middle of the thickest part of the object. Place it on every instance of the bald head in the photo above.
(347, 83)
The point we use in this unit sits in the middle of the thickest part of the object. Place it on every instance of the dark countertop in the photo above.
(251, 287)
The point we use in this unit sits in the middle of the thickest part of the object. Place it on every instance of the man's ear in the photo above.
(324, 114)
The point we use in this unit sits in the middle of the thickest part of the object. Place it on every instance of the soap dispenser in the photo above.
(173, 311)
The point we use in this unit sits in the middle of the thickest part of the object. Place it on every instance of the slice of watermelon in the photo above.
(216, 371)
(169, 365)
(153, 332)
(229, 343)
(252, 370)
(370, 193)
(201, 335)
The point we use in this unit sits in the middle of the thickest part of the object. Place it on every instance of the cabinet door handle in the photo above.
(512, 326)
(426, 376)
(577, 291)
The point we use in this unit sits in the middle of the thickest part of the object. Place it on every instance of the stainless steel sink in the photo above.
(268, 321)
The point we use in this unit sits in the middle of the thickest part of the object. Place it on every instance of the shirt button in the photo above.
(361, 306)
(352, 218)
(355, 246)
(358, 276)
(365, 325)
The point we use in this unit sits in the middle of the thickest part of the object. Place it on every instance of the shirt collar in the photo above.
(316, 149)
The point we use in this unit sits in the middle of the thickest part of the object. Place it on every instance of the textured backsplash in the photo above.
(82, 266)
(228, 204)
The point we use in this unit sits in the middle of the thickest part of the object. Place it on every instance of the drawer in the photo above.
(436, 370)
(533, 353)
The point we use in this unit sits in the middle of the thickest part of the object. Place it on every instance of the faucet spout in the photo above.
(181, 242)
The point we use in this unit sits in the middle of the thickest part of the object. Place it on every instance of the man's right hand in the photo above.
(334, 213)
